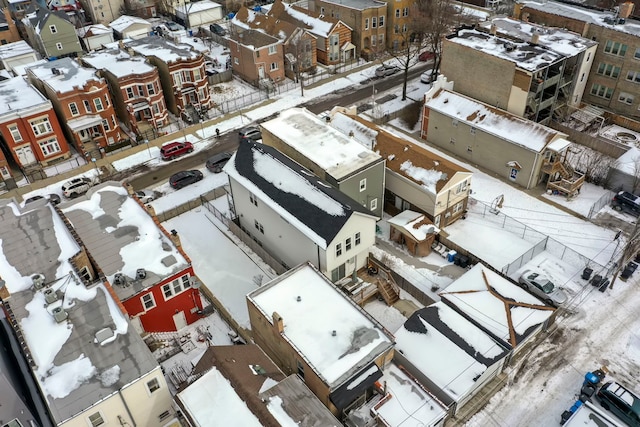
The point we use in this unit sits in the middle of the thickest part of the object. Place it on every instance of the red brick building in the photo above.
(256, 57)
(181, 70)
(82, 101)
(136, 89)
(29, 128)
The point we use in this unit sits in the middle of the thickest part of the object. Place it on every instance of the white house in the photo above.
(296, 216)
(130, 27)
(198, 14)
(95, 36)
(448, 354)
(16, 54)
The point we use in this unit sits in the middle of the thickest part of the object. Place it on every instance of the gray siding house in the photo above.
(52, 34)
(333, 156)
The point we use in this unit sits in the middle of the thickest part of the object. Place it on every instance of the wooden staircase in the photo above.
(385, 283)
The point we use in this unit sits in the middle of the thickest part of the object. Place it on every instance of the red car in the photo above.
(175, 149)
(426, 56)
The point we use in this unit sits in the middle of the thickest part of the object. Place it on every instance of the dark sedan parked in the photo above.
(184, 178)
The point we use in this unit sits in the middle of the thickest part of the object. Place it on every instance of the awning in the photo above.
(84, 122)
(347, 46)
(355, 387)
(138, 106)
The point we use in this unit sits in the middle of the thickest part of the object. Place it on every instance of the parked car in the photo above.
(386, 70)
(53, 198)
(250, 132)
(539, 285)
(217, 162)
(182, 179)
(627, 202)
(426, 56)
(172, 26)
(146, 196)
(175, 149)
(76, 187)
(217, 29)
(426, 76)
(621, 402)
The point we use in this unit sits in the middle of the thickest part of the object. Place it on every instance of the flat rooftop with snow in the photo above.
(118, 62)
(123, 238)
(77, 340)
(63, 75)
(337, 338)
(335, 152)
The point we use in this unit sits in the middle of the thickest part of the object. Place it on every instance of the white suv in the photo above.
(76, 187)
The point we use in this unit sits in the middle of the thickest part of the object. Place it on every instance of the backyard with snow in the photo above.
(596, 329)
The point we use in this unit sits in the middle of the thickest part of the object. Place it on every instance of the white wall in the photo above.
(357, 223)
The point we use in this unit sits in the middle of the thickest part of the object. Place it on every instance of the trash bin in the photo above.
(456, 259)
(596, 280)
(603, 285)
(190, 33)
(586, 273)
(464, 261)
(451, 255)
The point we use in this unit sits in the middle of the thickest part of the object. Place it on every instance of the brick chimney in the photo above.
(175, 238)
(626, 9)
(278, 324)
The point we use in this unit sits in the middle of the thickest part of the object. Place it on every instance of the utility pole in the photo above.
(631, 248)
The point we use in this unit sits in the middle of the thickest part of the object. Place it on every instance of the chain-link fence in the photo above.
(604, 200)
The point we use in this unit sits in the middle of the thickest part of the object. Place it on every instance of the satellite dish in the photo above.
(194, 282)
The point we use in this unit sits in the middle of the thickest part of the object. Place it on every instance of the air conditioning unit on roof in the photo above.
(38, 281)
(59, 314)
(50, 296)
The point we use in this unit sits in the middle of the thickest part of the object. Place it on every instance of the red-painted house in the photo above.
(146, 265)
(29, 128)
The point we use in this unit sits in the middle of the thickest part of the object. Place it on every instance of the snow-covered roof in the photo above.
(93, 30)
(524, 55)
(16, 95)
(410, 405)
(558, 40)
(336, 153)
(21, 70)
(309, 204)
(118, 62)
(163, 49)
(491, 120)
(68, 74)
(559, 145)
(316, 23)
(122, 238)
(123, 22)
(415, 224)
(591, 16)
(312, 309)
(447, 348)
(501, 308)
(253, 39)
(362, 132)
(212, 397)
(71, 370)
(199, 6)
(11, 50)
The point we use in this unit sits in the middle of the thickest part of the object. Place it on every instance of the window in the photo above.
(381, 39)
(174, 288)
(253, 199)
(148, 302)
(472, 130)
(15, 133)
(601, 91)
(626, 98)
(273, 50)
(452, 141)
(633, 76)
(197, 75)
(608, 70)
(259, 226)
(59, 46)
(105, 125)
(49, 146)
(396, 29)
(373, 205)
(513, 174)
(106, 100)
(457, 208)
(153, 385)
(374, 22)
(41, 126)
(96, 419)
(461, 187)
(469, 149)
(347, 244)
(300, 369)
(98, 103)
(366, 23)
(381, 21)
(274, 66)
(87, 106)
(73, 107)
(156, 108)
(363, 184)
(130, 93)
(338, 249)
(186, 76)
(53, 29)
(397, 13)
(636, 55)
(405, 11)
(151, 89)
(236, 61)
(374, 40)
(177, 79)
(404, 28)
(454, 123)
(615, 48)
(357, 238)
